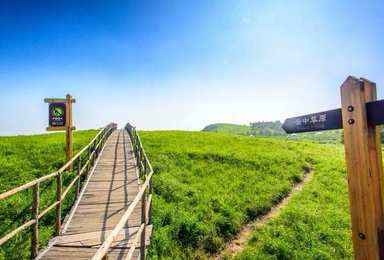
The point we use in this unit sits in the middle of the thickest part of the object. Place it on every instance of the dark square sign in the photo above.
(57, 114)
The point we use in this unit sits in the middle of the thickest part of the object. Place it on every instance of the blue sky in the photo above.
(174, 64)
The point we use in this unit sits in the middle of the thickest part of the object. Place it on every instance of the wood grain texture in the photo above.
(69, 135)
(110, 190)
(360, 148)
(375, 166)
(35, 216)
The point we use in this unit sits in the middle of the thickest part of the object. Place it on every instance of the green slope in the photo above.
(22, 159)
(228, 128)
(273, 128)
(207, 185)
(268, 128)
(316, 223)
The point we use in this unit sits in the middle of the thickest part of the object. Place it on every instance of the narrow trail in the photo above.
(237, 245)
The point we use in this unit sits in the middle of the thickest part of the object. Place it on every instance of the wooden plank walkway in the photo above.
(110, 188)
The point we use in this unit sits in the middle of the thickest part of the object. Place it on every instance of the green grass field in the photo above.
(22, 159)
(207, 185)
(316, 223)
(228, 128)
(273, 129)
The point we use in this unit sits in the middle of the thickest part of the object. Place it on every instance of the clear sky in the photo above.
(178, 64)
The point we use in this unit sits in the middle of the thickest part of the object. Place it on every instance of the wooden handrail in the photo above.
(95, 145)
(146, 172)
(53, 174)
(135, 241)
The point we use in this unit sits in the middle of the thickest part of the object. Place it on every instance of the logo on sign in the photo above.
(57, 114)
(57, 111)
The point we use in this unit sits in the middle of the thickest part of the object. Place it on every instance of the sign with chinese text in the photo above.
(331, 119)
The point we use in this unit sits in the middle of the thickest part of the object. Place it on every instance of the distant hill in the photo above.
(228, 128)
(263, 128)
(273, 128)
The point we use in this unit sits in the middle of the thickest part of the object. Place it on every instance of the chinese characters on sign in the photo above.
(314, 122)
(331, 119)
(314, 119)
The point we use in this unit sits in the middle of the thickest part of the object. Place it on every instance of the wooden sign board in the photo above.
(59, 111)
(359, 116)
(332, 119)
(60, 119)
(57, 115)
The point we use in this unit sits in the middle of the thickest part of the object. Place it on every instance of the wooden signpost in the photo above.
(359, 116)
(60, 118)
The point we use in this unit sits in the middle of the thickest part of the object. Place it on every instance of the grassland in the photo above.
(22, 159)
(207, 185)
(228, 128)
(274, 129)
(316, 223)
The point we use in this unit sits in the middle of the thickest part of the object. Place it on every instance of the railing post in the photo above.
(92, 156)
(364, 169)
(150, 206)
(59, 183)
(143, 221)
(145, 166)
(78, 176)
(35, 216)
(88, 157)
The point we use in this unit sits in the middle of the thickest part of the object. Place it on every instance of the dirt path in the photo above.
(234, 247)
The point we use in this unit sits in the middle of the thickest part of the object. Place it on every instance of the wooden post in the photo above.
(69, 128)
(79, 177)
(35, 216)
(150, 206)
(89, 158)
(376, 166)
(59, 183)
(143, 221)
(363, 159)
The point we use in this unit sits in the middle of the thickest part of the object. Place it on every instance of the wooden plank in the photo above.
(148, 210)
(59, 187)
(104, 248)
(134, 242)
(78, 173)
(35, 216)
(26, 186)
(84, 253)
(109, 202)
(45, 211)
(360, 180)
(16, 231)
(375, 167)
(143, 222)
(56, 128)
(69, 135)
(57, 100)
(35, 183)
(124, 239)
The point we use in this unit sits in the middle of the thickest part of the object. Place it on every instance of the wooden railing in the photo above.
(87, 155)
(144, 195)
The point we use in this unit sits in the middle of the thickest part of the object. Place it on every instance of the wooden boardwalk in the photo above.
(109, 190)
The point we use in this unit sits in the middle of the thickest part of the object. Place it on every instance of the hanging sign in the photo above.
(57, 115)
